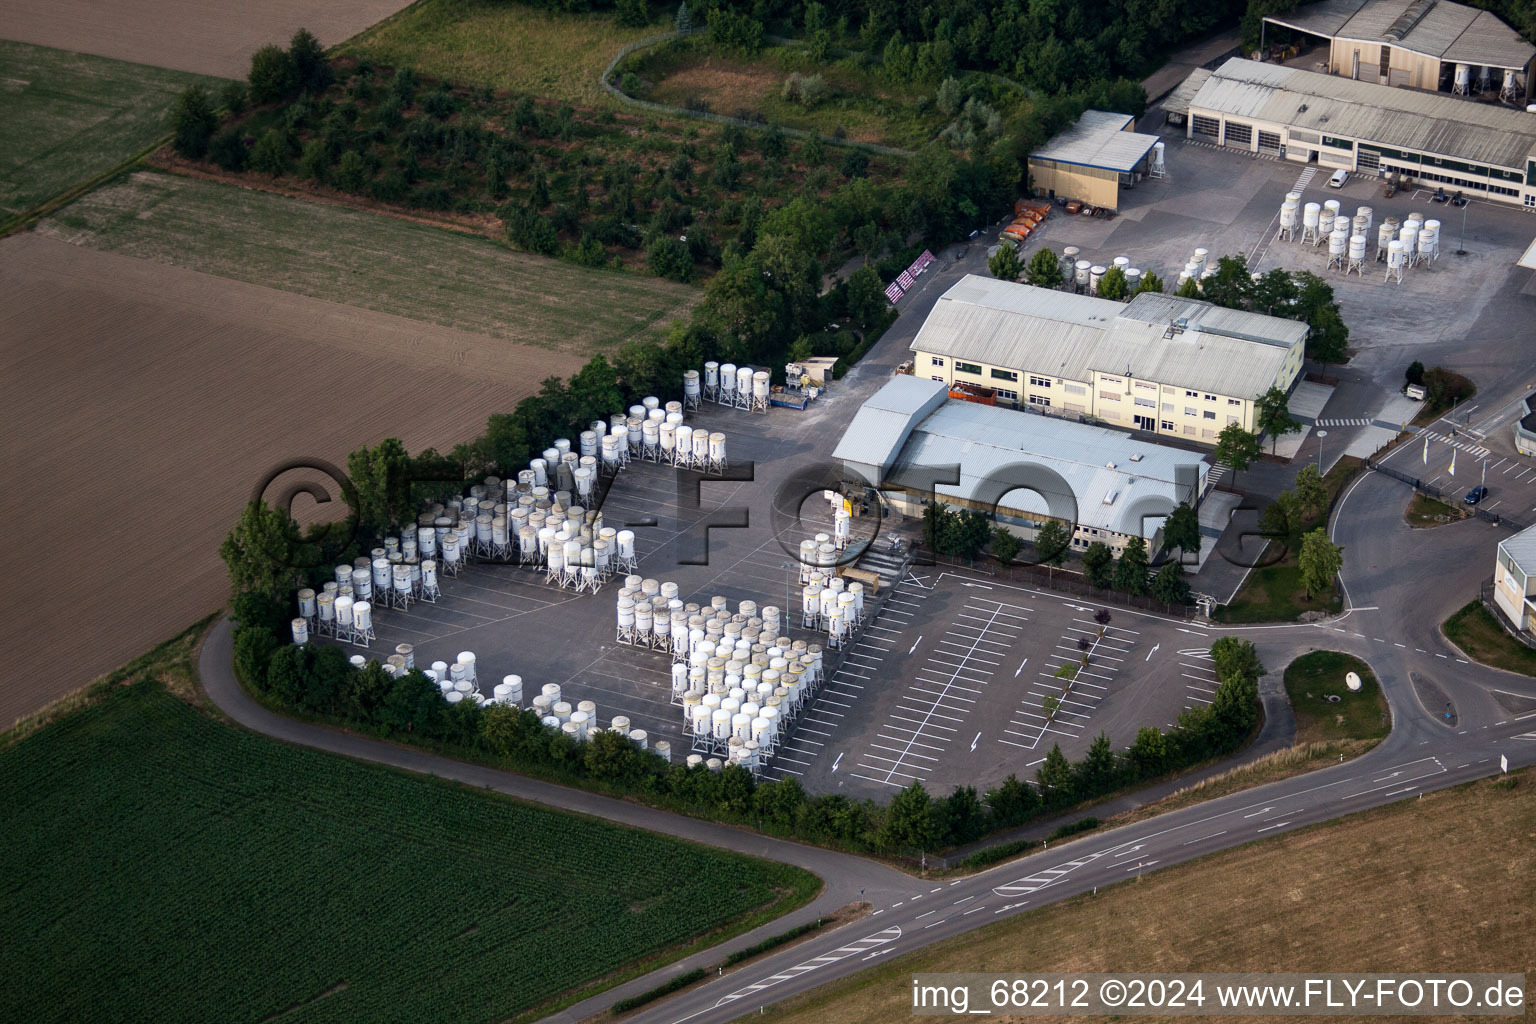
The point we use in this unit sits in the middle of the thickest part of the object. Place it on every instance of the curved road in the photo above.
(1396, 601)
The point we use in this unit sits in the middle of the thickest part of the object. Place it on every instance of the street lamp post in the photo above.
(1462, 247)
(1320, 435)
(787, 567)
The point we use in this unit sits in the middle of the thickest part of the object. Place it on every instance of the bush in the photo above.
(229, 149)
(233, 98)
(273, 76)
(310, 70)
(193, 123)
(806, 91)
(270, 154)
(668, 257)
(629, 84)
(351, 172)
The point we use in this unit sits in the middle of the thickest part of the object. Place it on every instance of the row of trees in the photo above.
(1299, 295)
(318, 680)
(1044, 270)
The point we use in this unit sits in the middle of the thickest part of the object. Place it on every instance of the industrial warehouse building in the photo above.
(1022, 469)
(1478, 148)
(1092, 159)
(1180, 367)
(1422, 44)
(1514, 578)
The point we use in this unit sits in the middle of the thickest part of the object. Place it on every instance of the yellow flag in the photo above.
(1453, 463)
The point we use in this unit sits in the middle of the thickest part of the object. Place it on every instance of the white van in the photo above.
(1339, 178)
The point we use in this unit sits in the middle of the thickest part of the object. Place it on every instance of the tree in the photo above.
(1012, 803)
(1272, 415)
(1444, 387)
(1232, 284)
(1169, 585)
(1149, 753)
(193, 122)
(1112, 285)
(1182, 529)
(310, 69)
(315, 163)
(261, 552)
(909, 821)
(1190, 289)
(1320, 560)
(1274, 293)
(1096, 772)
(1044, 270)
(1004, 263)
(963, 818)
(1150, 282)
(668, 257)
(1055, 778)
(632, 13)
(1281, 516)
(1005, 544)
(273, 76)
(1052, 543)
(1234, 658)
(1131, 567)
(1311, 492)
(228, 149)
(351, 172)
(381, 477)
(867, 303)
(1098, 565)
(270, 154)
(683, 23)
(233, 97)
(1415, 373)
(1328, 339)
(1236, 447)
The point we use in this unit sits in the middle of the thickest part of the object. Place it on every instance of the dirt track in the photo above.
(189, 35)
(144, 402)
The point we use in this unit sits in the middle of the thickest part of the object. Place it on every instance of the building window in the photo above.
(938, 378)
(1145, 403)
(1189, 431)
(1167, 425)
(1191, 394)
(1005, 394)
(1039, 382)
(1004, 374)
(968, 368)
(1040, 400)
(1075, 389)
(1109, 396)
(1530, 199)
(1231, 420)
(1167, 407)
(1209, 415)
(1234, 401)
(1146, 386)
(937, 360)
(1073, 407)
(1190, 410)
(1210, 398)
(1207, 433)
(1109, 380)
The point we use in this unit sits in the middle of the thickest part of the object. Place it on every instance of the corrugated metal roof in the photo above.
(1177, 101)
(883, 422)
(1521, 548)
(1098, 139)
(1436, 123)
(1066, 335)
(1438, 28)
(1069, 462)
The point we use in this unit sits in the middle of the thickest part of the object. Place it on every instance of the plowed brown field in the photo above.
(202, 36)
(143, 403)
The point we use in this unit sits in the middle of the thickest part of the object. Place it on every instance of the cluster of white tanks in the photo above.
(827, 601)
(739, 387)
(1467, 78)
(1197, 269)
(1413, 242)
(1085, 276)
(403, 570)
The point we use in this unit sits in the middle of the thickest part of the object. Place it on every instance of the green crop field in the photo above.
(503, 45)
(160, 865)
(378, 262)
(66, 117)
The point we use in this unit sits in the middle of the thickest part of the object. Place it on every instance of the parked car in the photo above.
(1476, 495)
(1339, 178)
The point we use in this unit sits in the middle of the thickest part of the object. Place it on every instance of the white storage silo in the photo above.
(1082, 273)
(300, 627)
(1095, 275)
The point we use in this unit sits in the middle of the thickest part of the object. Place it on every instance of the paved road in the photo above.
(1400, 585)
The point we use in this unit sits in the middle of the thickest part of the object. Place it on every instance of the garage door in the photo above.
(1240, 135)
(1209, 127)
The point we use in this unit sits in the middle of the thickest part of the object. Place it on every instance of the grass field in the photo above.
(1479, 634)
(1312, 678)
(173, 867)
(67, 117)
(1377, 891)
(503, 45)
(865, 108)
(1424, 512)
(363, 259)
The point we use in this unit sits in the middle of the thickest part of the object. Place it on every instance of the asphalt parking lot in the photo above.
(950, 685)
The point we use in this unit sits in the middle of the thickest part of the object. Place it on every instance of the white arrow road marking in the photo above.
(915, 643)
(1020, 668)
(1152, 651)
(1262, 810)
(837, 762)
(975, 741)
